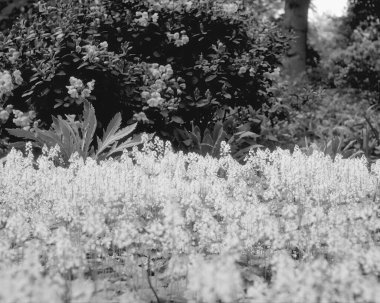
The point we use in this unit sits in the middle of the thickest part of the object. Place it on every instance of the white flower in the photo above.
(85, 93)
(242, 70)
(154, 102)
(91, 53)
(17, 77)
(103, 45)
(145, 94)
(91, 85)
(230, 8)
(14, 56)
(4, 115)
(77, 83)
(188, 5)
(155, 17)
(6, 84)
(72, 92)
(140, 117)
(215, 280)
(185, 39)
(156, 95)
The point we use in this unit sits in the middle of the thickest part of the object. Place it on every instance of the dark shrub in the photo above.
(164, 66)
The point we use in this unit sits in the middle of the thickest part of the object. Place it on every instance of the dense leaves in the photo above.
(160, 66)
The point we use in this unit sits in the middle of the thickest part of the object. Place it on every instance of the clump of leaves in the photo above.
(76, 136)
(211, 140)
(332, 148)
(220, 62)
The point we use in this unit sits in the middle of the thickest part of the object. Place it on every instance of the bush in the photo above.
(357, 65)
(161, 65)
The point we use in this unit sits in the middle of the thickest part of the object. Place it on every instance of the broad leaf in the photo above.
(129, 143)
(71, 139)
(21, 133)
(247, 134)
(206, 149)
(195, 140)
(113, 126)
(218, 130)
(110, 136)
(197, 133)
(207, 138)
(89, 126)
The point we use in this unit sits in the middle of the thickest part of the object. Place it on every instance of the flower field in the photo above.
(159, 226)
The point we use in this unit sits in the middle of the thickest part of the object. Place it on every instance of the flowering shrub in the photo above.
(113, 43)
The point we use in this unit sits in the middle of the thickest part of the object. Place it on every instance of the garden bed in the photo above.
(281, 228)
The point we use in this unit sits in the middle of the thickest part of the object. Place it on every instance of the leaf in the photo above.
(113, 126)
(129, 143)
(89, 126)
(45, 92)
(335, 145)
(249, 134)
(218, 130)
(210, 78)
(187, 142)
(197, 133)
(271, 138)
(349, 145)
(27, 94)
(207, 138)
(70, 139)
(56, 126)
(181, 135)
(22, 133)
(177, 119)
(195, 141)
(111, 136)
(205, 149)
(244, 127)
(83, 65)
(202, 103)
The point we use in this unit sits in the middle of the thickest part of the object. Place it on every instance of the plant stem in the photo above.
(150, 282)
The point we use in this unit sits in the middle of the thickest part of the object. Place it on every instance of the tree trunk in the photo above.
(296, 15)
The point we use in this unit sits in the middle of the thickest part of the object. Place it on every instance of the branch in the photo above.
(150, 282)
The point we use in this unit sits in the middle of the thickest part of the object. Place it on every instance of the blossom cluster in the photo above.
(24, 119)
(177, 5)
(160, 89)
(144, 18)
(8, 82)
(312, 221)
(179, 39)
(95, 53)
(13, 55)
(21, 119)
(230, 8)
(77, 90)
